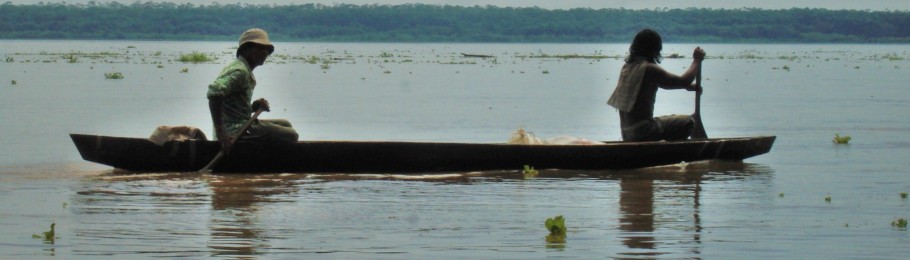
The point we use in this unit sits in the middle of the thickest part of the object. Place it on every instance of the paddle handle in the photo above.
(208, 168)
(698, 93)
(699, 131)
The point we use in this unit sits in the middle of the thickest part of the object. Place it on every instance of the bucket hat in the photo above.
(256, 36)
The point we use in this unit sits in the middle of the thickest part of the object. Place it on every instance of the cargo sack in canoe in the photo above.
(164, 134)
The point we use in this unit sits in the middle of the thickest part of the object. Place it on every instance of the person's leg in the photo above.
(644, 131)
(271, 130)
(675, 127)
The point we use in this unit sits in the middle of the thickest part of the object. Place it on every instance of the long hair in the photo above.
(646, 45)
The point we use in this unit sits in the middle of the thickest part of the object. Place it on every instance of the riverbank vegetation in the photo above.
(435, 23)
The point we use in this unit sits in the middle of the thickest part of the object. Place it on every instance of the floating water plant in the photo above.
(113, 75)
(841, 139)
(546, 72)
(900, 223)
(557, 228)
(195, 57)
(71, 58)
(184, 70)
(13, 82)
(828, 199)
(529, 172)
(10, 59)
(781, 195)
(556, 225)
(49, 236)
(903, 195)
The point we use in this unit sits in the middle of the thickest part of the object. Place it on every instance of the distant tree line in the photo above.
(436, 23)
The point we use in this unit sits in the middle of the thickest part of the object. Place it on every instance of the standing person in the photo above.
(230, 95)
(636, 92)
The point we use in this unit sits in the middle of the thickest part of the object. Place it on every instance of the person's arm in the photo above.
(218, 90)
(215, 108)
(667, 80)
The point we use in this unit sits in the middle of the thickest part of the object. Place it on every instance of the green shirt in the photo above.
(235, 85)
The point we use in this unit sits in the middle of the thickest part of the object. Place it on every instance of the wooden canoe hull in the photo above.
(141, 155)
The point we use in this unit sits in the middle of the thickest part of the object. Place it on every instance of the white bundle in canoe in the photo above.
(524, 137)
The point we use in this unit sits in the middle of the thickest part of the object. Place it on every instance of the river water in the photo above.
(807, 198)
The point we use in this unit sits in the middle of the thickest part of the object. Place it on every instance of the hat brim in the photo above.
(268, 46)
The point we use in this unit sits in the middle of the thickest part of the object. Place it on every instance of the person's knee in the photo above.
(292, 136)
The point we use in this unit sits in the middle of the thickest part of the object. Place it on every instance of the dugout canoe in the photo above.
(142, 155)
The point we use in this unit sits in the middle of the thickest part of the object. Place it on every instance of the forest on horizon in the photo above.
(436, 23)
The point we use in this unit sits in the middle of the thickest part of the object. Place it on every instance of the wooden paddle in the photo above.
(208, 168)
(699, 131)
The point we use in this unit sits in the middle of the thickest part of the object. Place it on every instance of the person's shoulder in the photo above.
(237, 66)
(653, 68)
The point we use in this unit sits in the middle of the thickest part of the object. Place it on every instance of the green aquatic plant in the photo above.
(784, 57)
(557, 228)
(892, 57)
(900, 223)
(556, 225)
(841, 139)
(781, 195)
(184, 70)
(546, 71)
(113, 75)
(47, 236)
(529, 172)
(13, 82)
(903, 195)
(10, 59)
(71, 58)
(195, 57)
(828, 199)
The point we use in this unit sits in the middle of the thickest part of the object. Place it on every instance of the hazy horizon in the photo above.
(879, 5)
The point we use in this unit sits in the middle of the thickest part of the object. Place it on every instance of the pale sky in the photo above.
(876, 5)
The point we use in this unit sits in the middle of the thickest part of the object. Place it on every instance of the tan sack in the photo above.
(164, 134)
(523, 137)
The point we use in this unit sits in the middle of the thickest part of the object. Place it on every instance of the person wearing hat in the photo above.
(230, 96)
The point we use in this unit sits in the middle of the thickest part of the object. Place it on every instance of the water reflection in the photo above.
(636, 202)
(236, 200)
(639, 189)
(649, 212)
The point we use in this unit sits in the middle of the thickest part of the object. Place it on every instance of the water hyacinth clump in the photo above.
(529, 172)
(838, 139)
(48, 236)
(557, 228)
(195, 57)
(113, 75)
(899, 223)
(556, 225)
